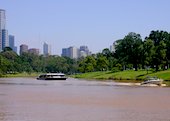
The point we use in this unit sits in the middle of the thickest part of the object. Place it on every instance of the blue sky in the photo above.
(95, 23)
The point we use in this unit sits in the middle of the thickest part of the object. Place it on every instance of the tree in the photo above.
(107, 53)
(87, 65)
(160, 54)
(110, 58)
(121, 53)
(102, 63)
(4, 63)
(167, 42)
(148, 52)
(128, 49)
(160, 38)
(11, 57)
(72, 65)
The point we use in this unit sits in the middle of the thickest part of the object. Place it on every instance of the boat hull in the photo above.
(152, 82)
(51, 78)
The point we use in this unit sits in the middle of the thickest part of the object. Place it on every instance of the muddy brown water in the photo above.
(28, 99)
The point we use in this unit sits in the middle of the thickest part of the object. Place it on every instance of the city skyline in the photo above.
(96, 24)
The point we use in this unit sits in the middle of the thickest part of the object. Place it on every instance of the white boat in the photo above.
(52, 76)
(152, 80)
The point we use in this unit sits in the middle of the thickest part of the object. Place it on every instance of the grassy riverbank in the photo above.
(21, 75)
(126, 76)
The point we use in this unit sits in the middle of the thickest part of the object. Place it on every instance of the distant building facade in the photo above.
(23, 49)
(46, 49)
(12, 43)
(34, 51)
(74, 53)
(4, 42)
(71, 52)
(65, 52)
(84, 51)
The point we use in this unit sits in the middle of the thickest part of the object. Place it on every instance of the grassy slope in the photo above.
(21, 75)
(125, 76)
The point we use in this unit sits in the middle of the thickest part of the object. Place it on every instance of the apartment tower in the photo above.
(46, 49)
(4, 41)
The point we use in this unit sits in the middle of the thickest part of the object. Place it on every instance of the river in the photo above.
(28, 99)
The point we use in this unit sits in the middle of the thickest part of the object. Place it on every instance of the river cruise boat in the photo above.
(152, 80)
(52, 76)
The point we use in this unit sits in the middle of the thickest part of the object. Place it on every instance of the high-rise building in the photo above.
(23, 49)
(12, 43)
(46, 49)
(84, 51)
(16, 49)
(5, 40)
(71, 52)
(74, 52)
(2, 19)
(65, 52)
(3, 31)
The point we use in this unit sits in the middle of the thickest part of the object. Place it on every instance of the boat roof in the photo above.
(54, 74)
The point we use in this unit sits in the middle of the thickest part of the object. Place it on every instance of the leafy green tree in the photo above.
(102, 63)
(10, 55)
(61, 65)
(12, 58)
(87, 65)
(110, 58)
(128, 49)
(167, 42)
(159, 38)
(4, 63)
(160, 54)
(107, 53)
(28, 62)
(72, 65)
(148, 51)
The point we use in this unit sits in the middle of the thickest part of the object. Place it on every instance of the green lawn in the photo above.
(125, 76)
(22, 75)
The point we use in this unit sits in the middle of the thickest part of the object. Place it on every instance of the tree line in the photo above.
(11, 62)
(131, 52)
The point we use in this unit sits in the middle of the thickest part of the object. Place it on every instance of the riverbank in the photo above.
(21, 75)
(129, 76)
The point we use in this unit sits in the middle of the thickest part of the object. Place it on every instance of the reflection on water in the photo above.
(28, 99)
